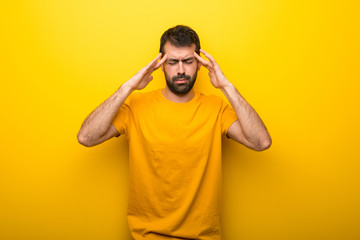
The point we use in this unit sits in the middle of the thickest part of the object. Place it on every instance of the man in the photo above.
(175, 140)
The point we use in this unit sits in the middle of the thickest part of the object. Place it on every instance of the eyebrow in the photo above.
(184, 60)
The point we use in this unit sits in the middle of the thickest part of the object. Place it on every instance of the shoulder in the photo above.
(211, 99)
(136, 97)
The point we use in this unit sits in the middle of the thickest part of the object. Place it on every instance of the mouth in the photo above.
(181, 81)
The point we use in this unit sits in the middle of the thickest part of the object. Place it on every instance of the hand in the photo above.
(142, 78)
(217, 77)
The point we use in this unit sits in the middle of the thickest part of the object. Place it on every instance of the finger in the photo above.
(154, 61)
(150, 78)
(202, 61)
(208, 56)
(215, 65)
(151, 66)
(161, 62)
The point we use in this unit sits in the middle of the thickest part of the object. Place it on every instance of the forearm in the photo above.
(251, 124)
(96, 127)
(99, 121)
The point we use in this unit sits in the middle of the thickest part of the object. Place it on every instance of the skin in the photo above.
(248, 130)
(180, 61)
(97, 127)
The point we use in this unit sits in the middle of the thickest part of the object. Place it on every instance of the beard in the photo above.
(180, 88)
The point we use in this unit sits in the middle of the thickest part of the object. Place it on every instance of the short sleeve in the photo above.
(228, 117)
(122, 118)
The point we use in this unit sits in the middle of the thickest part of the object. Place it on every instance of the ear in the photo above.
(199, 65)
(162, 67)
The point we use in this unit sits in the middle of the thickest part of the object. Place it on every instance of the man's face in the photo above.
(180, 68)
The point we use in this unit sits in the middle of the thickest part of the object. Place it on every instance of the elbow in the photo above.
(83, 140)
(264, 145)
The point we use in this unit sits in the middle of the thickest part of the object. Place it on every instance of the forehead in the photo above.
(179, 52)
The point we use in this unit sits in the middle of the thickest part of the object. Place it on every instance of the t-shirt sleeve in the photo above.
(228, 117)
(122, 118)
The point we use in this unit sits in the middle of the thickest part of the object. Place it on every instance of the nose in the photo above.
(181, 70)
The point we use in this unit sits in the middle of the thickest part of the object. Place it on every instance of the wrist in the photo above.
(126, 89)
(226, 86)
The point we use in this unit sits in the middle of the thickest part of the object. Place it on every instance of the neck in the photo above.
(169, 95)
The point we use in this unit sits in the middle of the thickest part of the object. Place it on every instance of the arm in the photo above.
(249, 128)
(97, 127)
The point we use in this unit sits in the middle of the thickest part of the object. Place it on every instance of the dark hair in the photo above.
(180, 36)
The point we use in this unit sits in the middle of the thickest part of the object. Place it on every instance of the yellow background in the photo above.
(296, 62)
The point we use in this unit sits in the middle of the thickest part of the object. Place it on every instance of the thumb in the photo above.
(150, 78)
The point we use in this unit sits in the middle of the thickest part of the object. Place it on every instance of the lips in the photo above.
(181, 81)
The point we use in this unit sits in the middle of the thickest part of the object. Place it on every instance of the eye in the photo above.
(188, 61)
(171, 62)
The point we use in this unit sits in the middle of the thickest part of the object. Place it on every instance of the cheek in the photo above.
(192, 68)
(170, 69)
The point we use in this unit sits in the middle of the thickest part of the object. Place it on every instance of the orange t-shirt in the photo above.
(174, 164)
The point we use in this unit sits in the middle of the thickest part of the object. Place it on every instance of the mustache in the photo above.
(182, 76)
